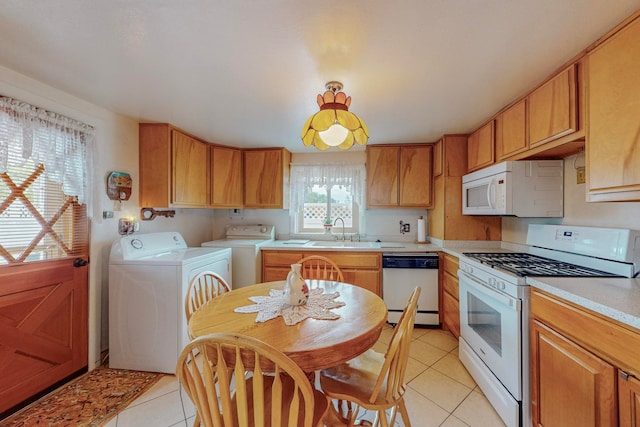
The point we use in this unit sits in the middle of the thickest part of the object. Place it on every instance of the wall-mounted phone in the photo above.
(119, 186)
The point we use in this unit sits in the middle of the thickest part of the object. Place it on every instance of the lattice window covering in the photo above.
(43, 174)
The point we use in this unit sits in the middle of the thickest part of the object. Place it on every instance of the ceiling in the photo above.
(247, 72)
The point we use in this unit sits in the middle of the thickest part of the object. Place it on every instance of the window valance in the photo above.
(63, 145)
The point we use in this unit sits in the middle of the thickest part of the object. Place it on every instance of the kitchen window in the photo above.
(322, 193)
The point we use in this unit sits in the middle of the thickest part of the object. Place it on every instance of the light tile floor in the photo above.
(441, 392)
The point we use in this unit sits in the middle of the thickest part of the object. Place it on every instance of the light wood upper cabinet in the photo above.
(226, 177)
(553, 111)
(511, 131)
(382, 176)
(173, 168)
(445, 220)
(399, 176)
(480, 148)
(266, 178)
(613, 129)
(416, 162)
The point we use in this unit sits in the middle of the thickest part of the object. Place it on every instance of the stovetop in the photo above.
(525, 264)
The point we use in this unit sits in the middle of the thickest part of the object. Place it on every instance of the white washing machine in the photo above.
(245, 242)
(149, 277)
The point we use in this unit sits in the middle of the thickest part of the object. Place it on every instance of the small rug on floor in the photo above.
(89, 400)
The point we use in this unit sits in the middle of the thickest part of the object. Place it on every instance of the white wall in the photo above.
(576, 210)
(116, 149)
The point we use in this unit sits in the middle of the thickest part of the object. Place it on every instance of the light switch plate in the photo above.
(581, 176)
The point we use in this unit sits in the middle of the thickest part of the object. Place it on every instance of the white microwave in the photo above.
(524, 188)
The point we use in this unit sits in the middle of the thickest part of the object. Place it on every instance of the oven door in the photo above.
(491, 323)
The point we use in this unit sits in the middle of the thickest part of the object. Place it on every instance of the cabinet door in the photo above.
(263, 180)
(569, 385)
(382, 176)
(613, 134)
(189, 171)
(553, 108)
(368, 279)
(438, 154)
(416, 176)
(480, 148)
(629, 400)
(511, 131)
(226, 177)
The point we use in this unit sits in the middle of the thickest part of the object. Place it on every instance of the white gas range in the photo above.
(494, 302)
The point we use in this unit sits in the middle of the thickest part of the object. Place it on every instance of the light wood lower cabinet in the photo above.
(629, 400)
(363, 269)
(449, 293)
(572, 387)
(579, 361)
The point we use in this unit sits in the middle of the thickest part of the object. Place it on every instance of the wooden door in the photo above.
(480, 148)
(226, 177)
(569, 385)
(511, 131)
(189, 171)
(553, 108)
(263, 179)
(613, 130)
(629, 400)
(382, 176)
(416, 176)
(43, 285)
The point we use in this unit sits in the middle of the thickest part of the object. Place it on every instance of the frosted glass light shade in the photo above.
(335, 135)
(334, 125)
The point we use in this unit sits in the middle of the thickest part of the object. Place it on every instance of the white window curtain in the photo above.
(63, 145)
(305, 176)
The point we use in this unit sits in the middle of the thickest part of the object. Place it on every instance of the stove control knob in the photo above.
(263, 229)
(468, 269)
(501, 286)
(492, 282)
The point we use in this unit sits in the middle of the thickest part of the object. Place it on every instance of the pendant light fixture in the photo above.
(334, 125)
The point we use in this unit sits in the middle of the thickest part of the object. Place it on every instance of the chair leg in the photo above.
(404, 413)
(394, 412)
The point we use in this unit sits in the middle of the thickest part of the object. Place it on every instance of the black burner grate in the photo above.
(523, 264)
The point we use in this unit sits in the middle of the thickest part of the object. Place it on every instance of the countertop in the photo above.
(618, 299)
(332, 246)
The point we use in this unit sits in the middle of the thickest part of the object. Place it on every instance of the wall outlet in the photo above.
(406, 228)
(581, 176)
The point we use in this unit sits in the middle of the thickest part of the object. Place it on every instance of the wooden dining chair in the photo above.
(372, 380)
(203, 287)
(320, 268)
(236, 380)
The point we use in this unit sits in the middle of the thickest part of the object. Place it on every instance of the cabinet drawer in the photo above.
(270, 258)
(450, 285)
(351, 259)
(601, 336)
(451, 309)
(450, 264)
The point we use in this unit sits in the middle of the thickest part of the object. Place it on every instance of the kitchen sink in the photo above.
(338, 244)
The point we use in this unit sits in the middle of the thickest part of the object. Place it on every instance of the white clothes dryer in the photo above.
(149, 276)
(245, 242)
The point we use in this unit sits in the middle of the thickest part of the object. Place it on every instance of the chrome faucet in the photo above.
(334, 223)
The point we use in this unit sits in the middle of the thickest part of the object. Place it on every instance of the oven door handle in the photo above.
(479, 286)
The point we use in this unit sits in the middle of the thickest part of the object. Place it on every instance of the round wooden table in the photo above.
(313, 344)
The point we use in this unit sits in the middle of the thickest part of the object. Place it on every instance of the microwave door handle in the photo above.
(491, 194)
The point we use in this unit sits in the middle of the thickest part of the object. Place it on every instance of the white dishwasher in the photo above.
(401, 272)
